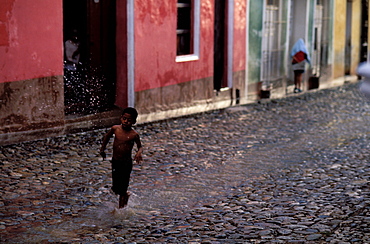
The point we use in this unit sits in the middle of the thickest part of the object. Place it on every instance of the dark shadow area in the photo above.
(89, 56)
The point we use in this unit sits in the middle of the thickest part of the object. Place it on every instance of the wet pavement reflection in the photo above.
(292, 170)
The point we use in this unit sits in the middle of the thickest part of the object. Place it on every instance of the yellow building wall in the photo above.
(355, 35)
(339, 35)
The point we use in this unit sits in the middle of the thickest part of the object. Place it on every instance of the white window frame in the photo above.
(196, 36)
(130, 53)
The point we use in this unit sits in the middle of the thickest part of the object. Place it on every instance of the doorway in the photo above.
(317, 38)
(220, 44)
(348, 47)
(298, 29)
(364, 30)
(90, 55)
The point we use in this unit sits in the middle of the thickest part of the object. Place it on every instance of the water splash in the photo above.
(107, 215)
(86, 90)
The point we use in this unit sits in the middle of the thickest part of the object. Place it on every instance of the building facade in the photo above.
(68, 66)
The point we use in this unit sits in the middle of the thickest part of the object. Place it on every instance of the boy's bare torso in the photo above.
(123, 142)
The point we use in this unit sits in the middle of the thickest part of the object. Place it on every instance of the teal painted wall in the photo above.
(256, 13)
(284, 39)
(255, 40)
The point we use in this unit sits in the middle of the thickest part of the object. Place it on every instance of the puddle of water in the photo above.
(105, 216)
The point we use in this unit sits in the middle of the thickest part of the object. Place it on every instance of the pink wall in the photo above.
(31, 39)
(155, 45)
(239, 60)
(121, 48)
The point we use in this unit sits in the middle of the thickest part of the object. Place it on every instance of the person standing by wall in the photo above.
(299, 56)
(72, 52)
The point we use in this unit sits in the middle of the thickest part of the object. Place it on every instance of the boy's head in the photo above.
(132, 112)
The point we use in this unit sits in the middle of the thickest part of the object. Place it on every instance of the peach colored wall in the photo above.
(31, 43)
(355, 35)
(155, 45)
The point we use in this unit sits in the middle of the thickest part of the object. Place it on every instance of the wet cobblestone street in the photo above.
(292, 170)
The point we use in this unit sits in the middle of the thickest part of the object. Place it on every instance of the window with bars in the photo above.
(273, 48)
(184, 27)
(317, 38)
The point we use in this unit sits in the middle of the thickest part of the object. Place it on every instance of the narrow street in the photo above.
(292, 170)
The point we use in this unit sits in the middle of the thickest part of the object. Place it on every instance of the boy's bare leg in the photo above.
(126, 198)
(123, 200)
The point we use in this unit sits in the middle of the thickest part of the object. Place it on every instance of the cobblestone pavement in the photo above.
(292, 170)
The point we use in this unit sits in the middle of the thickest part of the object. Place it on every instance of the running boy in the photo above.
(124, 139)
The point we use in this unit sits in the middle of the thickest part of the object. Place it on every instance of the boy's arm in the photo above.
(138, 157)
(106, 139)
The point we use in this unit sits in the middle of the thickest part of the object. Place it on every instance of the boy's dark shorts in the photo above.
(121, 170)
